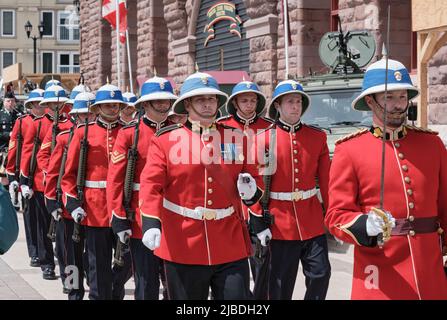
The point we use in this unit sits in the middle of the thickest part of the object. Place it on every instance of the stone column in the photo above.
(95, 45)
(262, 30)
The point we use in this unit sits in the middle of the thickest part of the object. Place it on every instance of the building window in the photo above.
(7, 59)
(47, 18)
(8, 23)
(68, 62)
(47, 62)
(334, 15)
(68, 26)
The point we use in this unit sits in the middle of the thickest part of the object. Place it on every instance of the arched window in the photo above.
(221, 43)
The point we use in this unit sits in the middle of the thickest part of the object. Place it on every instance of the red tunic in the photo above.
(101, 138)
(12, 148)
(117, 173)
(249, 127)
(302, 161)
(173, 172)
(28, 143)
(53, 172)
(44, 154)
(407, 267)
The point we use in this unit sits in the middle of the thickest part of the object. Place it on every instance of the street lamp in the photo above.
(77, 4)
(28, 29)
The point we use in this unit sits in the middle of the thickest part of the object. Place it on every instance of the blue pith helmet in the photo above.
(244, 87)
(54, 93)
(52, 82)
(156, 88)
(109, 94)
(374, 82)
(35, 95)
(286, 87)
(76, 90)
(198, 84)
(82, 102)
(130, 98)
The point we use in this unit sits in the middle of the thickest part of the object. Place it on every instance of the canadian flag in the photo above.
(109, 13)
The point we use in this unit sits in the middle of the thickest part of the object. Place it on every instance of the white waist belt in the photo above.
(96, 184)
(199, 213)
(293, 196)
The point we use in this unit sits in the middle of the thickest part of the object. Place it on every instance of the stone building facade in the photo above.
(163, 35)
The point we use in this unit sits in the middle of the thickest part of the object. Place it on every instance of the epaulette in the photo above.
(130, 125)
(168, 128)
(83, 124)
(313, 127)
(267, 119)
(419, 129)
(352, 135)
(266, 129)
(63, 132)
(231, 128)
(223, 118)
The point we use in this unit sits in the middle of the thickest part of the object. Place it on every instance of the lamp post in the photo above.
(28, 29)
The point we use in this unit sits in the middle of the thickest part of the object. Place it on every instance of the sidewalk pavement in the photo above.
(19, 281)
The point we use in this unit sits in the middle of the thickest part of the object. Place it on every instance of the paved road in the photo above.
(19, 281)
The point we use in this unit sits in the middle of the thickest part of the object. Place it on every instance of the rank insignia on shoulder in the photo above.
(352, 135)
(168, 128)
(117, 157)
(419, 129)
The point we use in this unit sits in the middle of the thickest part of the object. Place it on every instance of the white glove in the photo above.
(78, 214)
(27, 193)
(56, 214)
(246, 185)
(124, 235)
(151, 238)
(264, 237)
(374, 223)
(12, 186)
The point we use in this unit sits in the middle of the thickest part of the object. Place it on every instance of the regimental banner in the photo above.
(222, 11)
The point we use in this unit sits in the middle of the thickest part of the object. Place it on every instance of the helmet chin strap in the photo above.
(402, 112)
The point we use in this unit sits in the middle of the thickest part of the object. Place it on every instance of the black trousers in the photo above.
(44, 244)
(30, 222)
(104, 283)
(99, 245)
(162, 272)
(259, 265)
(59, 249)
(228, 281)
(146, 271)
(285, 258)
(73, 256)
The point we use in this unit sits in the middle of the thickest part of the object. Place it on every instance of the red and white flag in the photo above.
(109, 13)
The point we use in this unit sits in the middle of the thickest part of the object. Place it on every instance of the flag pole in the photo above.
(286, 38)
(129, 61)
(118, 52)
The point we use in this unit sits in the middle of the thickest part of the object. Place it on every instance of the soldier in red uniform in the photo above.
(70, 253)
(189, 199)
(92, 212)
(302, 158)
(409, 265)
(157, 97)
(244, 108)
(25, 124)
(32, 185)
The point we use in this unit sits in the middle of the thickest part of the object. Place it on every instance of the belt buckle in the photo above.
(207, 214)
(297, 195)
